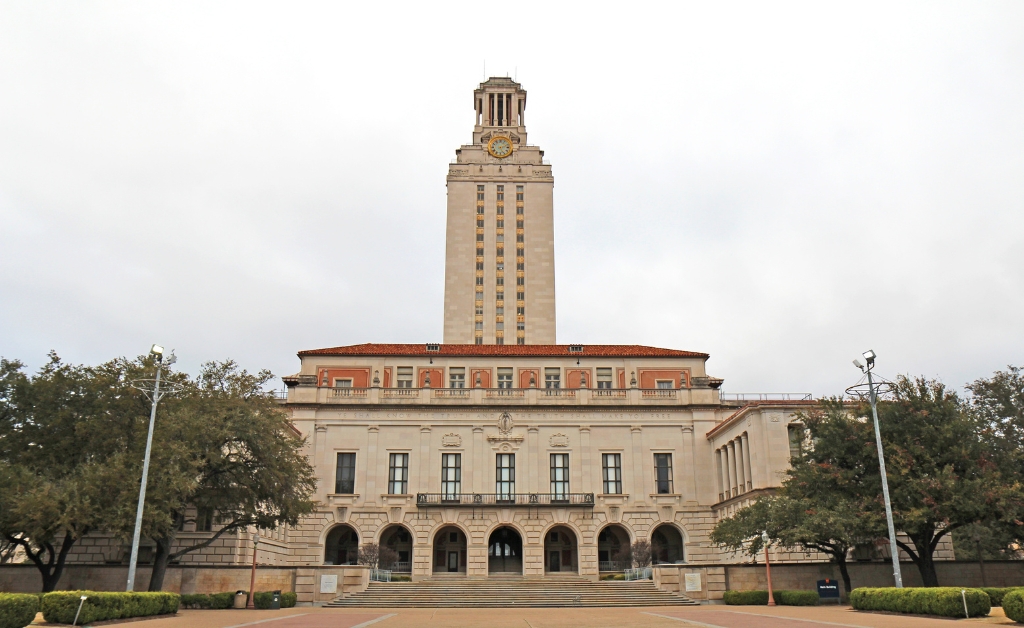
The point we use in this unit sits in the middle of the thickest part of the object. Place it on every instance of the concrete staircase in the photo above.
(505, 591)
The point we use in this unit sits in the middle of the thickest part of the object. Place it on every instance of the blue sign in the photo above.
(828, 589)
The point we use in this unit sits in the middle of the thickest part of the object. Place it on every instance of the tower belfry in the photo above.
(500, 254)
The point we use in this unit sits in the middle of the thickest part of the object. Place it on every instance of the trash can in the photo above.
(240, 599)
(275, 600)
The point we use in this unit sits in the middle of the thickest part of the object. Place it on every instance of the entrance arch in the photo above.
(561, 552)
(341, 546)
(666, 545)
(398, 539)
(505, 551)
(450, 550)
(613, 549)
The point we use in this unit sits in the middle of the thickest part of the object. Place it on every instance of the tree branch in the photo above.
(231, 527)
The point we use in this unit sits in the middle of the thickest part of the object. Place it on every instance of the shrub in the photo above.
(17, 610)
(942, 601)
(395, 578)
(195, 600)
(746, 598)
(263, 599)
(222, 600)
(996, 594)
(796, 597)
(783, 597)
(59, 607)
(1013, 605)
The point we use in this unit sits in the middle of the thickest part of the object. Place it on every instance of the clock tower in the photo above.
(500, 249)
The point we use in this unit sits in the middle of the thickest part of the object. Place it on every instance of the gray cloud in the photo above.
(782, 188)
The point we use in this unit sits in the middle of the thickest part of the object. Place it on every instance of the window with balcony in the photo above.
(559, 477)
(451, 476)
(345, 475)
(664, 383)
(398, 474)
(404, 377)
(552, 378)
(604, 378)
(457, 377)
(505, 475)
(504, 377)
(340, 382)
(663, 473)
(612, 472)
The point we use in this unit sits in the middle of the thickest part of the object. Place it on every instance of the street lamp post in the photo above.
(158, 352)
(869, 357)
(768, 567)
(252, 578)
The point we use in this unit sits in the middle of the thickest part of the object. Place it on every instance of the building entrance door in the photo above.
(554, 562)
(505, 551)
(453, 561)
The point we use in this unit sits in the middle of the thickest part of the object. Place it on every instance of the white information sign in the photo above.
(329, 584)
(692, 582)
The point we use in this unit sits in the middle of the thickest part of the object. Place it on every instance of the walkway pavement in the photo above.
(664, 617)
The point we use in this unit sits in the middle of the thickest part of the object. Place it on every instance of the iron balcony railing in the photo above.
(510, 499)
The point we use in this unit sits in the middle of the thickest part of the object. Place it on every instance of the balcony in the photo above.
(476, 500)
(312, 394)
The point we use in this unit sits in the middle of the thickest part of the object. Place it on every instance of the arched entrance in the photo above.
(560, 550)
(341, 546)
(398, 540)
(505, 551)
(450, 550)
(666, 545)
(613, 549)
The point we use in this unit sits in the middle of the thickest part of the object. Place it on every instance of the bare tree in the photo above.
(386, 557)
(641, 552)
(369, 555)
(623, 556)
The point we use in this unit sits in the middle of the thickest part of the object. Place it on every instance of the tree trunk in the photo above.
(925, 559)
(53, 568)
(160, 560)
(843, 571)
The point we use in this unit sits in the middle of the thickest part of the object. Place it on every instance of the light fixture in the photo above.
(156, 350)
(869, 355)
(858, 364)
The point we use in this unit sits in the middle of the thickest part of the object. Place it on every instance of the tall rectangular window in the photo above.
(519, 192)
(505, 476)
(604, 378)
(504, 377)
(612, 465)
(479, 192)
(404, 379)
(663, 473)
(560, 477)
(345, 477)
(457, 377)
(398, 474)
(451, 476)
(552, 378)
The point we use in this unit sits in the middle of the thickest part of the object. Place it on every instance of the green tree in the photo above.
(224, 448)
(820, 505)
(57, 434)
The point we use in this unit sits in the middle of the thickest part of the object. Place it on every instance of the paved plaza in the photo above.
(707, 616)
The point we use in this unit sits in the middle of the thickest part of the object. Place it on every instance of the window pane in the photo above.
(612, 464)
(505, 474)
(663, 472)
(552, 378)
(345, 477)
(398, 474)
(559, 476)
(451, 476)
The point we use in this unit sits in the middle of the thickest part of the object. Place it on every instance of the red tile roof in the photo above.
(548, 351)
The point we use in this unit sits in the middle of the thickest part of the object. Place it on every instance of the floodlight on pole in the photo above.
(768, 566)
(869, 357)
(157, 352)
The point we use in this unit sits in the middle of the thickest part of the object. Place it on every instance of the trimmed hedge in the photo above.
(1013, 605)
(202, 600)
(942, 601)
(59, 607)
(17, 610)
(264, 598)
(784, 597)
(996, 594)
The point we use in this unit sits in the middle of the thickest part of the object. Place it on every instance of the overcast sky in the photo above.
(780, 187)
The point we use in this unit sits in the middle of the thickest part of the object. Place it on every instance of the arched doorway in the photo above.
(505, 551)
(341, 546)
(398, 539)
(666, 545)
(613, 549)
(450, 550)
(560, 550)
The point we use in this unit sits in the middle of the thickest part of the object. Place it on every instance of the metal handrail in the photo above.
(380, 575)
(510, 499)
(640, 573)
(795, 396)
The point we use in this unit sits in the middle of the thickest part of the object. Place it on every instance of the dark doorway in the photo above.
(560, 548)
(613, 551)
(453, 562)
(666, 545)
(505, 551)
(449, 551)
(341, 546)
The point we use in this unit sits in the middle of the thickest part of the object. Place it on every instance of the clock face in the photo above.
(500, 147)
